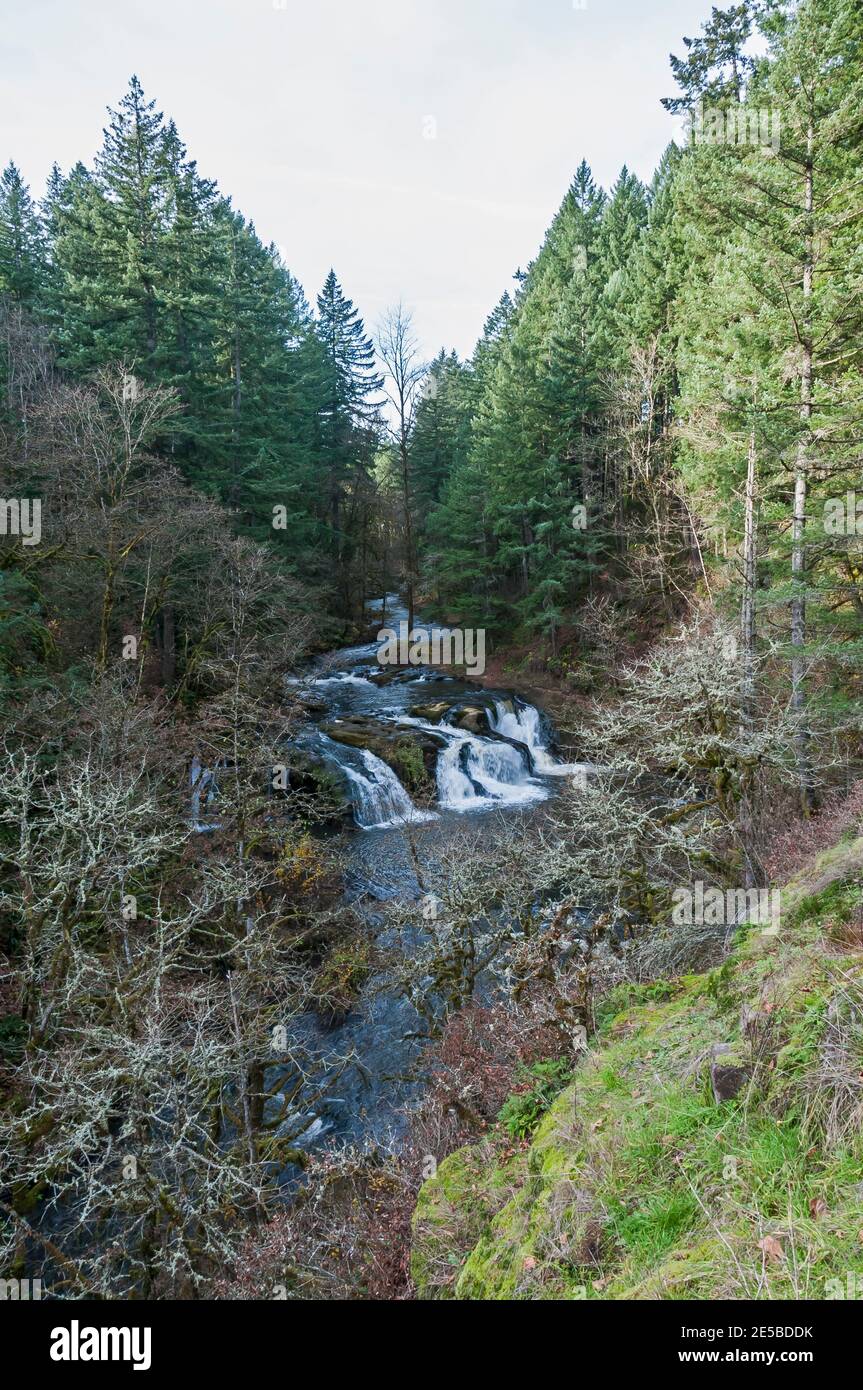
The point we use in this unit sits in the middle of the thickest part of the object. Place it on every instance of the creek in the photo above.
(489, 755)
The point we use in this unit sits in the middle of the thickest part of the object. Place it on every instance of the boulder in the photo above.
(411, 753)
(472, 718)
(433, 712)
(309, 776)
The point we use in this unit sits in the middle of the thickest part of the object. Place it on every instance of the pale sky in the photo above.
(420, 147)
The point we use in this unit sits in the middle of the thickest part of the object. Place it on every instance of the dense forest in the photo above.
(642, 487)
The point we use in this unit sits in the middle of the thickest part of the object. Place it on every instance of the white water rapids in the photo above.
(523, 722)
(380, 800)
(504, 760)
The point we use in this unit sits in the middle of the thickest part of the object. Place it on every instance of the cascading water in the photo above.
(499, 765)
(380, 800)
(202, 782)
(508, 765)
(473, 771)
(343, 678)
(524, 724)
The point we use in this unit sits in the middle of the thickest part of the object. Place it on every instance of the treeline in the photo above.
(166, 912)
(669, 402)
(142, 261)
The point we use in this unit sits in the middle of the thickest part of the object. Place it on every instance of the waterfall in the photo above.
(472, 771)
(202, 781)
(380, 800)
(453, 784)
(524, 724)
(509, 765)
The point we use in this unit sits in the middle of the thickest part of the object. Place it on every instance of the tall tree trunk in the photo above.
(525, 563)
(751, 866)
(750, 564)
(798, 528)
(236, 407)
(169, 644)
(409, 532)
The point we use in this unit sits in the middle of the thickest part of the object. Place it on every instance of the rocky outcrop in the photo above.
(410, 752)
(472, 717)
(310, 776)
(434, 712)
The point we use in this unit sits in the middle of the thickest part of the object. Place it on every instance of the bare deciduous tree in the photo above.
(399, 351)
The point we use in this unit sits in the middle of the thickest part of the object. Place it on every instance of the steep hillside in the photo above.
(641, 1181)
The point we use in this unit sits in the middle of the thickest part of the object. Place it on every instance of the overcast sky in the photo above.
(420, 147)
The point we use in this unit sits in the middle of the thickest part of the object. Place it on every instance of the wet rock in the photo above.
(313, 708)
(411, 753)
(433, 712)
(472, 718)
(309, 776)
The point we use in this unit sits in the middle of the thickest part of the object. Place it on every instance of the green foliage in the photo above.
(655, 1226)
(522, 1112)
(411, 766)
(652, 1188)
(13, 1038)
(22, 240)
(142, 260)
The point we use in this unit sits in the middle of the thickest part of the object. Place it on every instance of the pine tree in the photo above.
(109, 276)
(349, 411)
(132, 170)
(775, 220)
(441, 431)
(716, 66)
(22, 241)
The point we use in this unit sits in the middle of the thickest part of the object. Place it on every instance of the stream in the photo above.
(491, 754)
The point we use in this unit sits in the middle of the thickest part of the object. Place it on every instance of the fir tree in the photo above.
(22, 240)
(349, 411)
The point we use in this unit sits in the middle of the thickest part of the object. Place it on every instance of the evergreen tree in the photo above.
(22, 240)
(780, 260)
(716, 67)
(349, 412)
(441, 431)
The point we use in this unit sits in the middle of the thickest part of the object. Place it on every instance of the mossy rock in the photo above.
(434, 711)
(310, 776)
(411, 753)
(344, 971)
(472, 718)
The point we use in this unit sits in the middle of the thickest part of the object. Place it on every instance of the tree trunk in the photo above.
(751, 870)
(798, 528)
(169, 645)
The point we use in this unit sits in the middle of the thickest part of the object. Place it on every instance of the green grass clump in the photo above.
(522, 1112)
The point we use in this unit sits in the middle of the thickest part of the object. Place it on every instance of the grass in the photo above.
(637, 1184)
(522, 1112)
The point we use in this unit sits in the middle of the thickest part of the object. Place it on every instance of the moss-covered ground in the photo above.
(638, 1184)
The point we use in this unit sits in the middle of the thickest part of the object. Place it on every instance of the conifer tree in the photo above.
(775, 216)
(22, 240)
(349, 410)
(716, 66)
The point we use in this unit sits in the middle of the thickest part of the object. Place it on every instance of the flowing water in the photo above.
(380, 801)
(505, 764)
